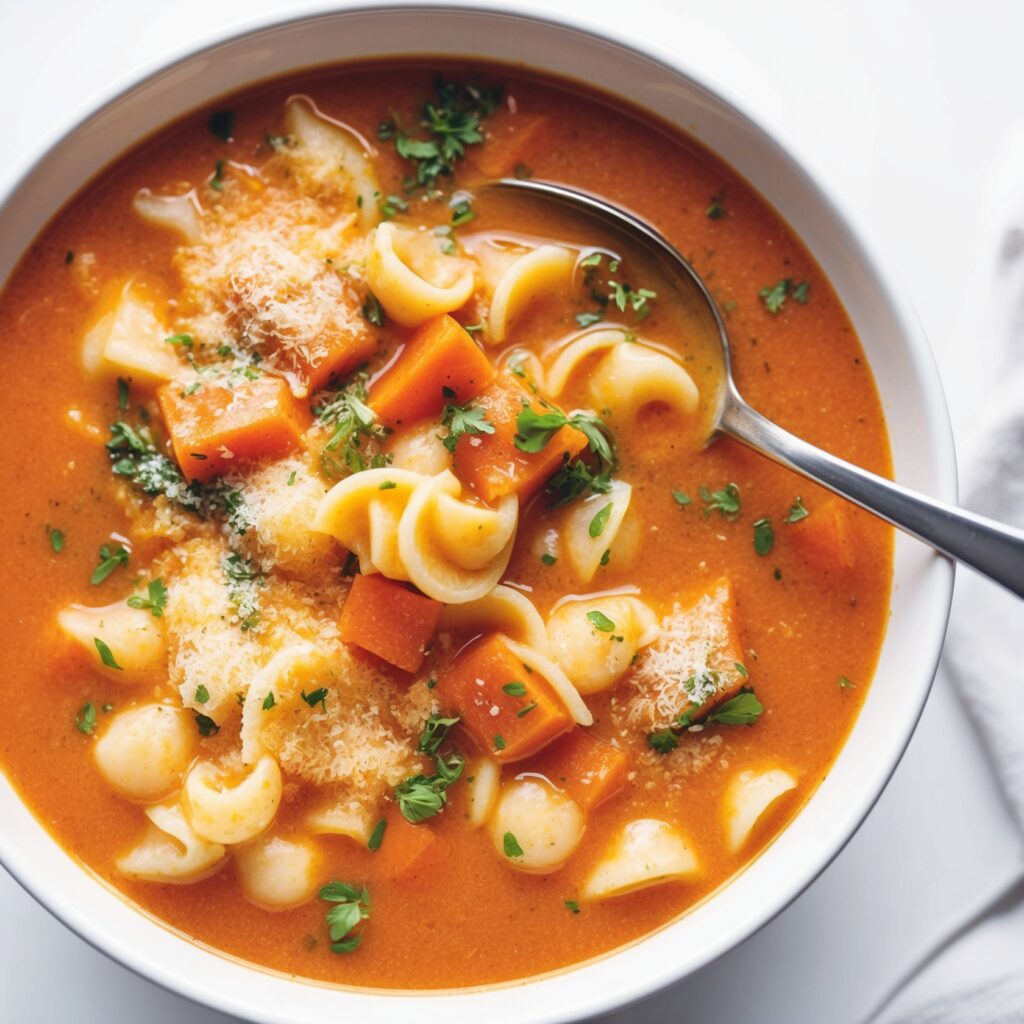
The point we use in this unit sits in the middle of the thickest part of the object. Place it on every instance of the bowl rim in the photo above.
(918, 350)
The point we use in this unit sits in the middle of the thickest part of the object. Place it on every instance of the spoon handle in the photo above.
(992, 549)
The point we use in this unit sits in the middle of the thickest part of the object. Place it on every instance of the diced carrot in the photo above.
(826, 536)
(334, 355)
(491, 465)
(440, 363)
(405, 849)
(588, 769)
(511, 711)
(387, 619)
(215, 428)
(706, 623)
(509, 141)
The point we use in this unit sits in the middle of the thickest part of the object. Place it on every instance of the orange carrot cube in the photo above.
(216, 428)
(389, 620)
(826, 536)
(511, 711)
(588, 769)
(440, 363)
(405, 849)
(333, 355)
(491, 465)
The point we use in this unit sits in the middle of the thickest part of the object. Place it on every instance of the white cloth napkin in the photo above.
(984, 650)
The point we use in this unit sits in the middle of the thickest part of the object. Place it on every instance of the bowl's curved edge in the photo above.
(939, 426)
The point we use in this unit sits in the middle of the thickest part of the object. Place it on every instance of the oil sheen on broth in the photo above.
(376, 613)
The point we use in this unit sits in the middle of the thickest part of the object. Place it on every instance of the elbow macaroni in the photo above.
(277, 873)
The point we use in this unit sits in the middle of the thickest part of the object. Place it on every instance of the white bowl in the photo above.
(922, 450)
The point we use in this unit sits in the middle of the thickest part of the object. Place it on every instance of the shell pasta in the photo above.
(375, 589)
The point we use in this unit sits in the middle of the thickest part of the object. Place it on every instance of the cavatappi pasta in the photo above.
(373, 591)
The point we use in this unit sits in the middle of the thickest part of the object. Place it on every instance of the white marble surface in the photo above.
(904, 109)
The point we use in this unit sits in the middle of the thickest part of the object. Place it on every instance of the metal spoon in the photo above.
(992, 549)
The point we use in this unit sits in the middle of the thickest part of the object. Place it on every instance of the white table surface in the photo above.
(903, 108)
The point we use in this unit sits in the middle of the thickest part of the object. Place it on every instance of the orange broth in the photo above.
(463, 918)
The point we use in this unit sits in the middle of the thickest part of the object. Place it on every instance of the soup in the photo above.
(381, 616)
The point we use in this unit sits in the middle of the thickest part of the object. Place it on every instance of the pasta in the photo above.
(125, 644)
(420, 450)
(222, 811)
(747, 800)
(170, 851)
(571, 357)
(145, 751)
(128, 338)
(545, 824)
(546, 268)
(646, 852)
(594, 659)
(484, 781)
(591, 527)
(455, 551)
(537, 662)
(278, 873)
(409, 296)
(325, 147)
(505, 610)
(632, 376)
(179, 214)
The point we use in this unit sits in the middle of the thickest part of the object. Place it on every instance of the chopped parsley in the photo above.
(663, 741)
(548, 559)
(85, 720)
(588, 319)
(243, 581)
(156, 600)
(377, 836)
(269, 702)
(421, 796)
(511, 846)
(774, 295)
(621, 294)
(499, 741)
(110, 559)
(682, 498)
(575, 477)
(217, 181)
(764, 536)
(318, 696)
(462, 213)
(222, 124)
(463, 420)
(56, 540)
(600, 521)
(390, 205)
(69, 257)
(716, 211)
(351, 906)
(726, 501)
(515, 689)
(207, 726)
(601, 622)
(743, 709)
(356, 436)
(572, 906)
(524, 711)
(180, 340)
(106, 654)
(123, 393)
(373, 311)
(202, 694)
(846, 684)
(450, 120)
(796, 511)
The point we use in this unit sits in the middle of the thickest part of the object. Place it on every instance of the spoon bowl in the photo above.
(991, 548)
